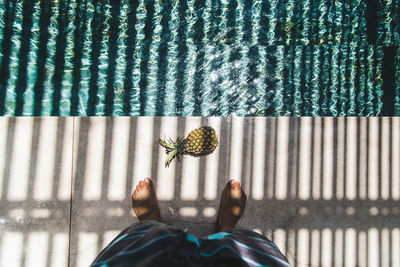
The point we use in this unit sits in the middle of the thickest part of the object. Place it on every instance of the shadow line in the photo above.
(77, 187)
(293, 216)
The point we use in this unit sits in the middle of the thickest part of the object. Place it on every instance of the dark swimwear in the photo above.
(151, 243)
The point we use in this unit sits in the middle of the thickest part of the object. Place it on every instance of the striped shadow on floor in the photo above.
(326, 190)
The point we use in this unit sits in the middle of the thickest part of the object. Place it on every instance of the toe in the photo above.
(141, 184)
(239, 187)
(229, 185)
(236, 186)
(236, 193)
(148, 182)
(226, 190)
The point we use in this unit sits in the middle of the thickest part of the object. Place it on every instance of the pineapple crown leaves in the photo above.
(168, 146)
(173, 149)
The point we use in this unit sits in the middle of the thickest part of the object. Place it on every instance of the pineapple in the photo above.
(201, 141)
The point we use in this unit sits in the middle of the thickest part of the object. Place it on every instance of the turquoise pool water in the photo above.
(200, 58)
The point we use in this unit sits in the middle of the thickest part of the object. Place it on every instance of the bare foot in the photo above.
(144, 201)
(233, 202)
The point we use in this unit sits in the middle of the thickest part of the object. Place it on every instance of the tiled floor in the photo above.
(327, 191)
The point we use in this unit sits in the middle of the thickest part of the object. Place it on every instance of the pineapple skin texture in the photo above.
(201, 141)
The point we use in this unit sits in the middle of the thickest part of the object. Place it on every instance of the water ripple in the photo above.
(343, 94)
(279, 87)
(297, 82)
(29, 94)
(172, 59)
(379, 80)
(351, 79)
(370, 80)
(305, 36)
(103, 62)
(334, 88)
(307, 81)
(315, 85)
(134, 102)
(219, 58)
(150, 105)
(226, 87)
(66, 84)
(322, 22)
(208, 79)
(397, 82)
(14, 60)
(386, 23)
(86, 61)
(261, 80)
(325, 81)
(119, 76)
(272, 23)
(47, 102)
(2, 11)
(362, 80)
(189, 96)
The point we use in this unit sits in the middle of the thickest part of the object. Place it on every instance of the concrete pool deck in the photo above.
(326, 190)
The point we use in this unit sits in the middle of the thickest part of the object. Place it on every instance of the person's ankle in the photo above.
(224, 227)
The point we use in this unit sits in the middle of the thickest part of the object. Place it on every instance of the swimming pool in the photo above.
(200, 58)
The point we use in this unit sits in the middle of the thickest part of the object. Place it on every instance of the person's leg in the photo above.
(238, 246)
(144, 201)
(145, 206)
(140, 234)
(233, 203)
